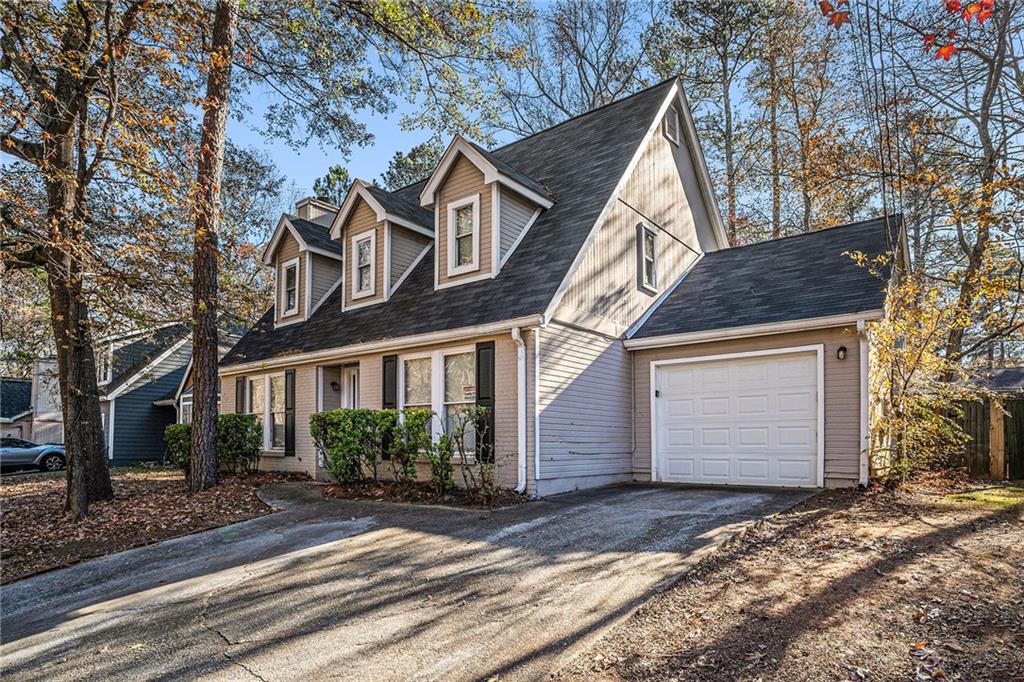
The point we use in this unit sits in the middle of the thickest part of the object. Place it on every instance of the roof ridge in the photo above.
(859, 223)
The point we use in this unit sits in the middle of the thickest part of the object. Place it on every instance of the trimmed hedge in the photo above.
(239, 439)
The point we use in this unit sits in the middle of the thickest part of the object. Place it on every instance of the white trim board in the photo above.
(818, 349)
(752, 330)
(343, 352)
(123, 388)
(267, 257)
(359, 191)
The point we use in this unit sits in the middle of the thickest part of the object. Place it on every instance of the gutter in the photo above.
(521, 406)
(753, 330)
(343, 352)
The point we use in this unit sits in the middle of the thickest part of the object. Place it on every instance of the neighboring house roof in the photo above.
(135, 356)
(315, 234)
(793, 278)
(1003, 380)
(15, 397)
(401, 206)
(580, 160)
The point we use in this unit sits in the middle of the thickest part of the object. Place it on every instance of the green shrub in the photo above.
(179, 445)
(239, 440)
(469, 426)
(354, 441)
(410, 438)
(440, 455)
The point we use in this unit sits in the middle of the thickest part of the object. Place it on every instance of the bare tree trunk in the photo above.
(773, 134)
(730, 163)
(88, 475)
(204, 470)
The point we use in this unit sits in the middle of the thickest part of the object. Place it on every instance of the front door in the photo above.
(350, 387)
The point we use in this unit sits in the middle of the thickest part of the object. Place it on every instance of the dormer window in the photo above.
(672, 124)
(364, 256)
(464, 235)
(290, 287)
(104, 365)
(647, 249)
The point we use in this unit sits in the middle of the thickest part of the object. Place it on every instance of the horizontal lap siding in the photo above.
(363, 219)
(326, 273)
(842, 394)
(138, 423)
(515, 213)
(287, 250)
(406, 246)
(586, 406)
(464, 180)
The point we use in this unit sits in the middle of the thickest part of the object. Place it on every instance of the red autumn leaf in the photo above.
(826, 8)
(983, 15)
(838, 19)
(929, 41)
(971, 10)
(946, 51)
(953, 6)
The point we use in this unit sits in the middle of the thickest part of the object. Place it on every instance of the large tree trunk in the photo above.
(730, 163)
(205, 382)
(773, 134)
(88, 476)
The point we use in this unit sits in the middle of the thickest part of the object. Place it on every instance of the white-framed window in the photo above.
(186, 410)
(364, 263)
(464, 235)
(647, 249)
(290, 287)
(671, 124)
(104, 365)
(444, 382)
(265, 401)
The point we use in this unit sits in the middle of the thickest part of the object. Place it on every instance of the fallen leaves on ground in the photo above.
(418, 493)
(921, 583)
(148, 505)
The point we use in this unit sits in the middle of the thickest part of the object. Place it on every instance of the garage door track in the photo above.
(364, 590)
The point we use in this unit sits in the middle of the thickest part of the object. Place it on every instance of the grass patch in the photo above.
(998, 498)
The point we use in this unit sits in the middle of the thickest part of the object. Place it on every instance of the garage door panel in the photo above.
(746, 421)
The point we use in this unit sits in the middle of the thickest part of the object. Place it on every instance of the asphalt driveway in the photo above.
(370, 591)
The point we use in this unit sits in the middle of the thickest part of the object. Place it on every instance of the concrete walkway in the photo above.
(370, 591)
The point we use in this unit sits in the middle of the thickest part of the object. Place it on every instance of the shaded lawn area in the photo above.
(915, 585)
(149, 505)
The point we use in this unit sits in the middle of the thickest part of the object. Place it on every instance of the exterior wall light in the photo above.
(841, 353)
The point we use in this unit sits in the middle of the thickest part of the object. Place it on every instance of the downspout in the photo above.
(865, 404)
(536, 411)
(521, 406)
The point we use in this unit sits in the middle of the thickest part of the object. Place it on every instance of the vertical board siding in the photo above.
(515, 213)
(842, 394)
(363, 219)
(287, 249)
(605, 288)
(586, 423)
(138, 423)
(370, 396)
(464, 180)
(406, 246)
(326, 272)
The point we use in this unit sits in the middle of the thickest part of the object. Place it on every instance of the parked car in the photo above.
(16, 453)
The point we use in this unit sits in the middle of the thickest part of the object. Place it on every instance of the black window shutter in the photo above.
(289, 412)
(390, 392)
(485, 398)
(239, 395)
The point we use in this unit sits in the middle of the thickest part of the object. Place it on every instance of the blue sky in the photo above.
(302, 167)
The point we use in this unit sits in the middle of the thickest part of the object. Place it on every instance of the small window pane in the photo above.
(364, 278)
(452, 420)
(648, 244)
(464, 221)
(459, 378)
(465, 250)
(277, 412)
(277, 394)
(417, 382)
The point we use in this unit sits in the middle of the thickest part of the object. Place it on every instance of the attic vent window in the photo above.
(672, 124)
(464, 235)
(290, 287)
(647, 250)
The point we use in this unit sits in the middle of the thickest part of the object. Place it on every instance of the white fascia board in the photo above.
(610, 203)
(8, 420)
(359, 191)
(703, 174)
(283, 224)
(383, 345)
(661, 299)
(752, 330)
(123, 388)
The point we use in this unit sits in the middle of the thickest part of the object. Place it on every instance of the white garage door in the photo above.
(740, 421)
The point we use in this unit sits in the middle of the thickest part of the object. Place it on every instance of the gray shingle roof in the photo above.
(1003, 380)
(581, 160)
(133, 357)
(15, 397)
(793, 278)
(316, 235)
(402, 207)
(515, 174)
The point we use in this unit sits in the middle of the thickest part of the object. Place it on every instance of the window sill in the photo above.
(463, 270)
(648, 290)
(272, 453)
(289, 313)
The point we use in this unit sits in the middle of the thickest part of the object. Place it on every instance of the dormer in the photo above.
(482, 209)
(383, 236)
(307, 263)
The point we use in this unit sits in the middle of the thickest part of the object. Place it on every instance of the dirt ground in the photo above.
(149, 505)
(923, 584)
(419, 493)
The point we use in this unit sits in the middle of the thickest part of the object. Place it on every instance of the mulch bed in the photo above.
(419, 493)
(918, 584)
(149, 505)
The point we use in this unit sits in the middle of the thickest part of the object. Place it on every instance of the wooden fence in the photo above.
(996, 446)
